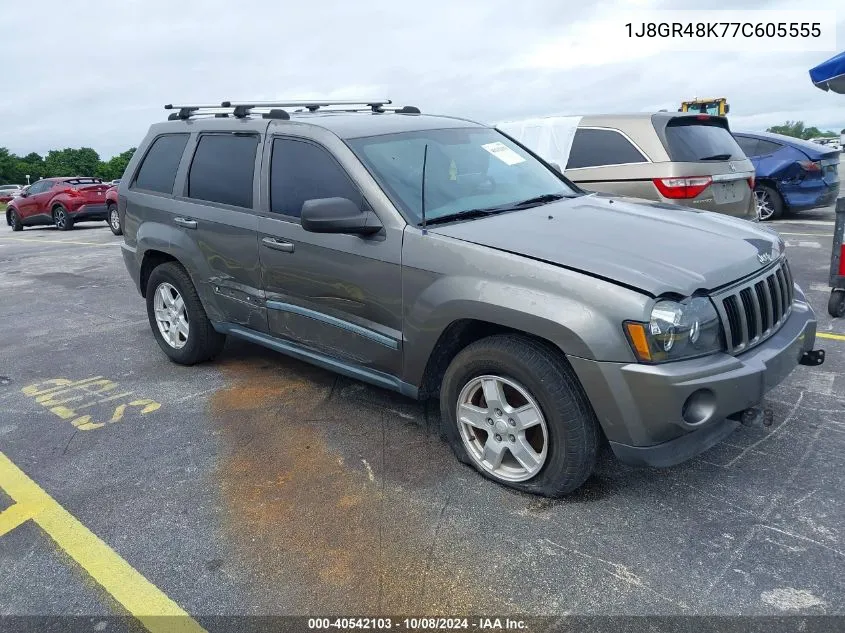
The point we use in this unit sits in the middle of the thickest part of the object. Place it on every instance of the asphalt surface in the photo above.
(262, 485)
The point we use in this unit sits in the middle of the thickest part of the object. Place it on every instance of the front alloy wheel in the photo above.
(503, 428)
(171, 316)
(114, 220)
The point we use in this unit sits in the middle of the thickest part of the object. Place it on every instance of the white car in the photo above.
(10, 190)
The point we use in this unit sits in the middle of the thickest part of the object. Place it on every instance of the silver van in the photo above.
(687, 159)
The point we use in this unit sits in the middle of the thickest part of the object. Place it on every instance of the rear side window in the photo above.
(767, 147)
(747, 144)
(301, 171)
(223, 169)
(158, 171)
(592, 148)
(689, 140)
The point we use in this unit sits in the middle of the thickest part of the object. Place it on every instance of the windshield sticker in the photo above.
(504, 153)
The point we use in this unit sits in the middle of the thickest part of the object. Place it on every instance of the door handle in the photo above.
(278, 245)
(185, 223)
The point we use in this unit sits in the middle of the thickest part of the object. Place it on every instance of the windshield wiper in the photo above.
(469, 214)
(537, 200)
(717, 157)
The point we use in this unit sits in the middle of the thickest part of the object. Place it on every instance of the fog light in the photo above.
(699, 407)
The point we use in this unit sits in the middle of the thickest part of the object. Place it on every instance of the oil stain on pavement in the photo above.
(319, 475)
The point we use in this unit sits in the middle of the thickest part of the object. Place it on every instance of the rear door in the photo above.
(335, 294)
(214, 211)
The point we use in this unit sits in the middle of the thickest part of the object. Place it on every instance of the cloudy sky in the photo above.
(96, 73)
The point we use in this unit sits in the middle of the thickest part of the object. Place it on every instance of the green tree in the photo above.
(115, 166)
(72, 162)
(797, 129)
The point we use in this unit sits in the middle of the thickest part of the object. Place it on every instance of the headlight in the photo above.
(676, 330)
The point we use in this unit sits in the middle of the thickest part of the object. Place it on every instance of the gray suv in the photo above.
(434, 256)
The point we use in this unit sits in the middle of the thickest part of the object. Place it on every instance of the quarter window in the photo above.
(301, 171)
(767, 147)
(223, 169)
(158, 171)
(748, 145)
(592, 148)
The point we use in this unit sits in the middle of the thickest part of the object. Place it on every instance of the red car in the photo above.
(113, 215)
(59, 201)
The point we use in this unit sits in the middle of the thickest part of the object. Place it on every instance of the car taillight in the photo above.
(682, 188)
(810, 165)
(751, 182)
(74, 193)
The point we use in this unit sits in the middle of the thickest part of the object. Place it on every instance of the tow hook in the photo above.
(756, 416)
(812, 358)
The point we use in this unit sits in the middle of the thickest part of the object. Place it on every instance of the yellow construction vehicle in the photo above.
(718, 107)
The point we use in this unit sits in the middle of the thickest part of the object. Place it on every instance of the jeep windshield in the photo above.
(469, 173)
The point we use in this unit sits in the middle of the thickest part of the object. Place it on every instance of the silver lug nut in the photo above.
(490, 421)
(512, 422)
(498, 412)
(512, 438)
(498, 437)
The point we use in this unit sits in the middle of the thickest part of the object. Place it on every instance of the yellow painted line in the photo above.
(13, 516)
(836, 337)
(40, 241)
(136, 594)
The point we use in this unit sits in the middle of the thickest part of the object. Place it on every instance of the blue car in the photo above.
(791, 174)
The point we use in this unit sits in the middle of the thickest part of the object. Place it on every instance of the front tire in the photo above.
(15, 221)
(62, 219)
(769, 203)
(177, 318)
(513, 409)
(114, 220)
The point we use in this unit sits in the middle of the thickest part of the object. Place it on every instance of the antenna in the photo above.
(422, 203)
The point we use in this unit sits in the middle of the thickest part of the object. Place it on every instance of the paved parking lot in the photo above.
(261, 485)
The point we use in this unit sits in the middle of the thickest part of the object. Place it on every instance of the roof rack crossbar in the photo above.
(241, 109)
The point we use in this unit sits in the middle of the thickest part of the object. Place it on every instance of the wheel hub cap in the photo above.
(502, 428)
(171, 315)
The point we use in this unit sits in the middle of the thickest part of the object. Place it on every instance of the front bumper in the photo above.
(90, 212)
(641, 407)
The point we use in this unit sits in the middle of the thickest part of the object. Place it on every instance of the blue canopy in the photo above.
(830, 75)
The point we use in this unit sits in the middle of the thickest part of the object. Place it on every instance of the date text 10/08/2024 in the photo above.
(421, 623)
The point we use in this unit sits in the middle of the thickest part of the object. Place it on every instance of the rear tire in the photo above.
(114, 220)
(531, 372)
(15, 221)
(62, 219)
(836, 303)
(769, 203)
(192, 337)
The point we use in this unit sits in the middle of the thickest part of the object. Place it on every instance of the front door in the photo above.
(33, 207)
(338, 295)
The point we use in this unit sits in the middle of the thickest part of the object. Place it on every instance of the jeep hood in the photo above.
(653, 247)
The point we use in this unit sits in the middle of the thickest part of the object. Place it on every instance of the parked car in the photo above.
(436, 257)
(688, 159)
(831, 142)
(7, 192)
(115, 183)
(58, 201)
(113, 214)
(792, 174)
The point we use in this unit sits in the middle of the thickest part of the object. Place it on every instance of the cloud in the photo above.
(99, 76)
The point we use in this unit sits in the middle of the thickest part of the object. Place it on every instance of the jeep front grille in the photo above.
(753, 310)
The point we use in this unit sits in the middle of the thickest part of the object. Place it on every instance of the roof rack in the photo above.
(241, 109)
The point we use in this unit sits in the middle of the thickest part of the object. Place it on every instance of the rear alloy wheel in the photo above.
(769, 203)
(62, 219)
(15, 221)
(178, 319)
(114, 220)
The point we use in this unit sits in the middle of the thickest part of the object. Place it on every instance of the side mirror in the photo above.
(23, 194)
(338, 215)
(727, 108)
(555, 166)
